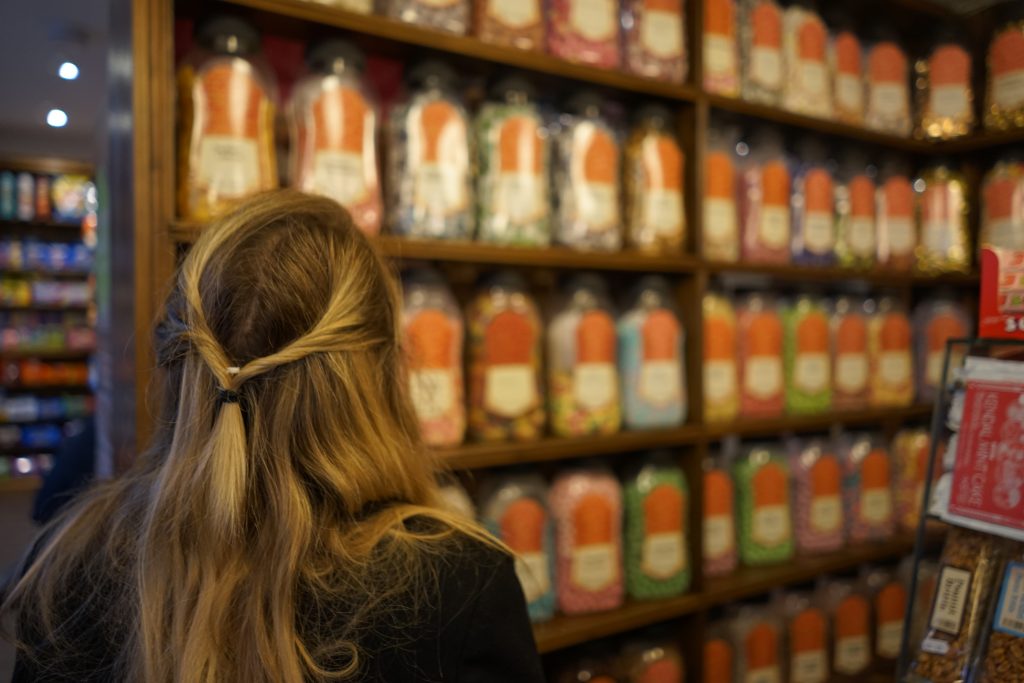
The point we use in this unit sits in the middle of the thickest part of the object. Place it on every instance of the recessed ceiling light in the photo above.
(56, 118)
(68, 71)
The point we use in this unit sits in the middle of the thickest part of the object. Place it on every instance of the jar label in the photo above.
(876, 505)
(862, 236)
(853, 654)
(719, 536)
(762, 377)
(520, 190)
(894, 368)
(1006, 58)
(826, 514)
(851, 372)
(340, 176)
(594, 170)
(510, 390)
(766, 674)
(663, 211)
(229, 165)
(1010, 608)
(661, 33)
(719, 55)
(933, 368)
(661, 382)
(594, 567)
(720, 380)
(890, 639)
(770, 525)
(766, 66)
(889, 99)
(533, 574)
(819, 236)
(810, 667)
(595, 385)
(950, 101)
(813, 77)
(517, 197)
(901, 235)
(432, 391)
(773, 230)
(951, 596)
(594, 20)
(849, 92)
(719, 221)
(811, 372)
(663, 555)
(515, 14)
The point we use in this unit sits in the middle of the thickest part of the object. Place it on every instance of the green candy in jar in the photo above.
(807, 356)
(764, 506)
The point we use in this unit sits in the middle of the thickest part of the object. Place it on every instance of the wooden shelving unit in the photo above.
(46, 354)
(20, 484)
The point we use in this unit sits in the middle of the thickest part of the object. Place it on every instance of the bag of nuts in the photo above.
(1003, 658)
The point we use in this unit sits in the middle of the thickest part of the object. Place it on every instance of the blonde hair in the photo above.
(284, 474)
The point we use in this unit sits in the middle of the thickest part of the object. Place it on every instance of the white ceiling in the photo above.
(35, 37)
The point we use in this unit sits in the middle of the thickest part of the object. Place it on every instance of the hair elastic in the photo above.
(225, 396)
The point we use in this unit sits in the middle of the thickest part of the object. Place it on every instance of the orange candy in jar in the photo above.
(1004, 96)
(945, 234)
(847, 77)
(721, 214)
(721, 48)
(1002, 204)
(888, 88)
(653, 180)
(226, 104)
(851, 365)
(897, 232)
(892, 356)
(945, 98)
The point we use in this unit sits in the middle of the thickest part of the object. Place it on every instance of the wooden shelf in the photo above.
(20, 484)
(45, 354)
(16, 451)
(46, 389)
(47, 274)
(981, 141)
(566, 631)
(812, 423)
(40, 225)
(48, 308)
(831, 274)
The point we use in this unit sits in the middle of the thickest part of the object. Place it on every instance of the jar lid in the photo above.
(335, 56)
(654, 112)
(505, 279)
(433, 74)
(513, 87)
(228, 35)
(585, 103)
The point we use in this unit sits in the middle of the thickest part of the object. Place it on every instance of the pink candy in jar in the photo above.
(585, 31)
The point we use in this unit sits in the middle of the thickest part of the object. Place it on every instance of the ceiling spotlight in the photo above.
(56, 118)
(68, 71)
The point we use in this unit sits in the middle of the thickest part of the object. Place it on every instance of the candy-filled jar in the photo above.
(1004, 94)
(892, 363)
(587, 507)
(586, 178)
(719, 652)
(942, 84)
(849, 610)
(721, 371)
(653, 178)
(513, 196)
(226, 105)
(807, 88)
(856, 243)
(808, 356)
(721, 215)
(719, 523)
(1002, 199)
(851, 363)
(431, 188)
(658, 661)
(585, 31)
(651, 360)
(759, 332)
(450, 16)
(764, 200)
(334, 133)
(888, 594)
(510, 23)
(945, 235)
(583, 379)
(935, 322)
(867, 487)
(910, 450)
(813, 207)
(721, 48)
(763, 505)
(888, 87)
(758, 635)
(761, 48)
(847, 77)
(897, 233)
(656, 498)
(807, 637)
(506, 393)
(817, 496)
(514, 508)
(433, 332)
(655, 39)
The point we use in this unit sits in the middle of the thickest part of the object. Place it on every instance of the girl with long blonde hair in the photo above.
(285, 524)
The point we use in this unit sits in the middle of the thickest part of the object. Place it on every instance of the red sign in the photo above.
(988, 477)
(1001, 310)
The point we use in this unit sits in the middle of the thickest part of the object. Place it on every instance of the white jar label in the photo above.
(950, 101)
(876, 505)
(770, 526)
(901, 235)
(432, 392)
(663, 555)
(890, 639)
(719, 55)
(1008, 89)
(774, 228)
(849, 92)
(594, 567)
(517, 197)
(951, 595)
(598, 206)
(595, 385)
(826, 514)
(719, 536)
(661, 33)
(663, 211)
(532, 569)
(768, 674)
(851, 372)
(661, 382)
(938, 236)
(516, 14)
(510, 390)
(766, 67)
(762, 376)
(810, 372)
(719, 221)
(810, 667)
(594, 20)
(229, 166)
(813, 77)
(340, 176)
(719, 380)
(819, 232)
(888, 99)
(894, 367)
(862, 236)
(853, 654)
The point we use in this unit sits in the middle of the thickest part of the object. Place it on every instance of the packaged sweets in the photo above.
(758, 635)
(582, 375)
(814, 230)
(968, 573)
(26, 206)
(761, 26)
(935, 322)
(945, 235)
(655, 39)
(720, 556)
(721, 374)
(817, 496)
(897, 236)
(763, 507)
(8, 201)
(1004, 96)
(807, 638)
(945, 99)
(587, 190)
(808, 363)
(1002, 198)
(888, 88)
(719, 653)
(653, 662)
(850, 362)
(651, 359)
(450, 16)
(656, 497)
(515, 509)
(334, 133)
(721, 48)
(889, 606)
(226, 105)
(759, 332)
(431, 188)
(433, 332)
(764, 200)
(721, 219)
(513, 200)
(856, 245)
(1002, 658)
(847, 77)
(587, 506)
(455, 498)
(506, 394)
(653, 178)
(42, 198)
(867, 488)
(807, 88)
(850, 612)
(510, 23)
(585, 31)
(892, 363)
(910, 450)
